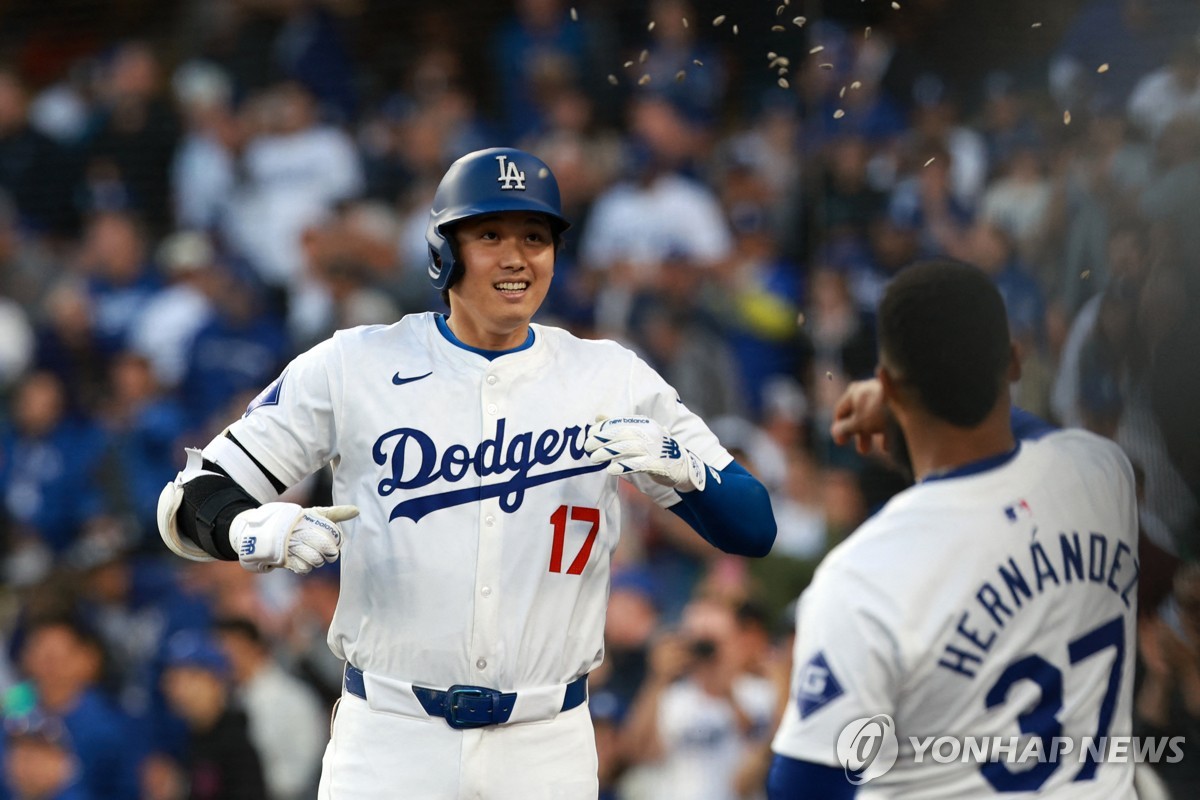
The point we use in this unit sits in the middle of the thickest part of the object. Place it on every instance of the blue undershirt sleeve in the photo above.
(733, 513)
(790, 779)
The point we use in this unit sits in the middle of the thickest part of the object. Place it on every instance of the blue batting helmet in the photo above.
(485, 182)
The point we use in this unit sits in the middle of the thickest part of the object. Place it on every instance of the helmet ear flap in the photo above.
(444, 266)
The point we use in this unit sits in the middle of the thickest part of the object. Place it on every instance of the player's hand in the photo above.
(286, 535)
(639, 445)
(861, 414)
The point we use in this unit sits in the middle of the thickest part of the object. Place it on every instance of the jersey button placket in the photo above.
(489, 395)
(485, 644)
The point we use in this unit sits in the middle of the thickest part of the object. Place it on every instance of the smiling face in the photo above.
(508, 261)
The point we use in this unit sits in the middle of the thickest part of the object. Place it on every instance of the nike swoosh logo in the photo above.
(396, 379)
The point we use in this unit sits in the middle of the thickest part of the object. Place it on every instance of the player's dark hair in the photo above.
(944, 331)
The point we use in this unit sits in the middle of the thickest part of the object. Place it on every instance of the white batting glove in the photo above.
(286, 535)
(639, 445)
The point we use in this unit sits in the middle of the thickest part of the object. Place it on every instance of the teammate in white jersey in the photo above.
(476, 459)
(994, 598)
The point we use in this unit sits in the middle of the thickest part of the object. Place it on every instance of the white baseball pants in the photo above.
(376, 755)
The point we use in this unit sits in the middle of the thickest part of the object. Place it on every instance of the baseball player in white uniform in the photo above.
(994, 598)
(476, 459)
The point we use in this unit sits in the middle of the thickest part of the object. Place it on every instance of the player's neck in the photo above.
(473, 333)
(937, 447)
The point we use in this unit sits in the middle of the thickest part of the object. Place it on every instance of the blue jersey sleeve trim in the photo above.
(490, 355)
(791, 779)
(1028, 426)
(733, 513)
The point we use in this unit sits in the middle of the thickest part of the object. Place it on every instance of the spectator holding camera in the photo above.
(699, 711)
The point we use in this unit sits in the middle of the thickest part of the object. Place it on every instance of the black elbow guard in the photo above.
(210, 502)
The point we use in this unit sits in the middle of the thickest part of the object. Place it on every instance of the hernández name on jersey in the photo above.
(416, 462)
(1050, 565)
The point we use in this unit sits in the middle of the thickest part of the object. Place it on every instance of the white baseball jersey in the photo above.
(999, 600)
(481, 552)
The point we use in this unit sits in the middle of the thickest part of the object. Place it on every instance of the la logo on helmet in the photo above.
(510, 176)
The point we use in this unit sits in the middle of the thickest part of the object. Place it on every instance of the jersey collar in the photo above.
(490, 355)
(975, 467)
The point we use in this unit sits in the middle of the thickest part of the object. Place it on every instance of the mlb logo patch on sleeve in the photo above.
(817, 686)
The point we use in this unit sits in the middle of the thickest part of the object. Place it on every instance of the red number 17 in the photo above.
(559, 520)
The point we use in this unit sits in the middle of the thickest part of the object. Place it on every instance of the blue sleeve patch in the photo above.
(268, 396)
(818, 686)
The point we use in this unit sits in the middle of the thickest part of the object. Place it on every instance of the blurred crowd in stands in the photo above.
(183, 212)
